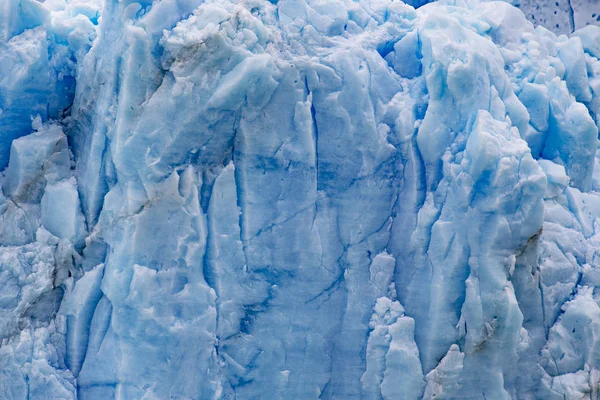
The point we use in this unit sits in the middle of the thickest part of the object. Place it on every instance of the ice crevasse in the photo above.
(301, 199)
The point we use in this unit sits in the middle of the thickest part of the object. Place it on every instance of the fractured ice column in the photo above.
(38, 262)
(41, 225)
(297, 200)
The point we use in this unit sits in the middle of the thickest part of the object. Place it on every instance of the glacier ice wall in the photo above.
(560, 16)
(297, 200)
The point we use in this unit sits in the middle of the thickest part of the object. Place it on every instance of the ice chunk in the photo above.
(61, 211)
(443, 381)
(590, 39)
(572, 137)
(35, 159)
(557, 178)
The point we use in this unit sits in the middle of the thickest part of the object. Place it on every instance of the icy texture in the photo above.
(560, 16)
(300, 200)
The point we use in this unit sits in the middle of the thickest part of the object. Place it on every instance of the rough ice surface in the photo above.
(560, 16)
(298, 199)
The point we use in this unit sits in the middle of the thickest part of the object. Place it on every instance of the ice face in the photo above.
(297, 200)
(560, 16)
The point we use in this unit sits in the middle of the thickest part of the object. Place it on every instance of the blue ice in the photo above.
(298, 199)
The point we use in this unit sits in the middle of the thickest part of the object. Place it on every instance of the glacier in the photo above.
(299, 199)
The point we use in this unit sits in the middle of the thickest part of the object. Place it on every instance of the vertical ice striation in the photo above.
(297, 199)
